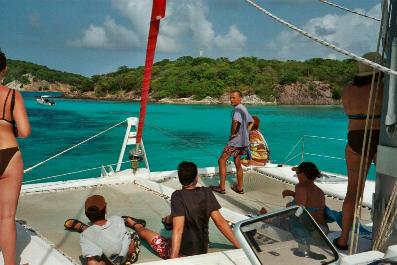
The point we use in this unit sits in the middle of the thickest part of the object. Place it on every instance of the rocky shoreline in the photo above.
(312, 93)
(251, 99)
(128, 97)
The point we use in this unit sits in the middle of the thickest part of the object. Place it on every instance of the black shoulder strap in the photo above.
(5, 103)
(12, 103)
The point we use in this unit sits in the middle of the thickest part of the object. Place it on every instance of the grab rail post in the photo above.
(131, 121)
(303, 149)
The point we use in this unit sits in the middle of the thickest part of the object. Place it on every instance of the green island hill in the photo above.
(200, 80)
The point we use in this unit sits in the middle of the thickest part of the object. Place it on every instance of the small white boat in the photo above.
(45, 100)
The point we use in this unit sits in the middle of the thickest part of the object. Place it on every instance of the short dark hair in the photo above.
(187, 172)
(3, 61)
(94, 214)
(238, 92)
(255, 126)
(309, 169)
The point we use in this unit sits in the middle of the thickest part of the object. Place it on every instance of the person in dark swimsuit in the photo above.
(12, 116)
(355, 98)
(307, 193)
(7, 153)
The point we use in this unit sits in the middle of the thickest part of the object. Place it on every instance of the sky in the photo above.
(91, 37)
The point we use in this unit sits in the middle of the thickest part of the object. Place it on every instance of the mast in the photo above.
(158, 12)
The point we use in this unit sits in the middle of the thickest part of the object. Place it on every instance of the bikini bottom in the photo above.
(355, 141)
(5, 157)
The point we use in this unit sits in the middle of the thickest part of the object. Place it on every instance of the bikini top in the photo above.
(11, 107)
(361, 116)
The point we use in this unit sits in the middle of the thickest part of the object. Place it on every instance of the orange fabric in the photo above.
(258, 148)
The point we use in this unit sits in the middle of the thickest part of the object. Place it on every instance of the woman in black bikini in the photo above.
(13, 123)
(355, 99)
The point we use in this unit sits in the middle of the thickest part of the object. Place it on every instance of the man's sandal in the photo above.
(75, 225)
(218, 189)
(136, 220)
(235, 189)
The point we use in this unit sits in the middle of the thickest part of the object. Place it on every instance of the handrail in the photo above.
(325, 156)
(71, 173)
(323, 137)
(302, 153)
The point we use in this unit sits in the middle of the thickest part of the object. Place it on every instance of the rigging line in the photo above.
(349, 10)
(293, 157)
(388, 232)
(377, 240)
(72, 147)
(293, 148)
(363, 165)
(71, 173)
(367, 143)
(325, 43)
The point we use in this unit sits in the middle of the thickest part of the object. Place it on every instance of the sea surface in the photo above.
(172, 133)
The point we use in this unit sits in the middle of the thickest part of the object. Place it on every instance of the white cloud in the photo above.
(110, 35)
(185, 27)
(125, 37)
(93, 37)
(348, 31)
(233, 40)
(137, 12)
(200, 27)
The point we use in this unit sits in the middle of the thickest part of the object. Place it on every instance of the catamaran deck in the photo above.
(45, 208)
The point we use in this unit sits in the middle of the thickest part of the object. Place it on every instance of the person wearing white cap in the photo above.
(355, 98)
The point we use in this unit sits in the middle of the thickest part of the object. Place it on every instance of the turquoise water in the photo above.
(172, 133)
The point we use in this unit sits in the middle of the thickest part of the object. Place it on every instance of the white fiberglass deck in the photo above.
(46, 212)
(45, 207)
(332, 184)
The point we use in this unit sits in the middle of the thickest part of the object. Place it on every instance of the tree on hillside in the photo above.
(200, 77)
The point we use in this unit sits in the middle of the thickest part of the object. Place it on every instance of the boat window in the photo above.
(290, 236)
